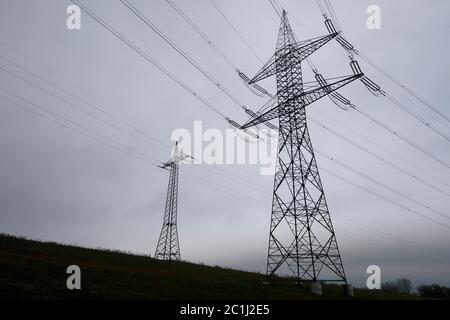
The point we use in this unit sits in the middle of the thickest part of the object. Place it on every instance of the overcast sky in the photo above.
(59, 185)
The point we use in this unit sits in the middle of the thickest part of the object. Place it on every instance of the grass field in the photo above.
(37, 270)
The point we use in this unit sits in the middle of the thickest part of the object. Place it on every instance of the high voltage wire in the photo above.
(123, 149)
(99, 137)
(380, 69)
(427, 252)
(402, 137)
(345, 52)
(340, 163)
(378, 157)
(404, 87)
(386, 127)
(58, 99)
(138, 157)
(412, 176)
(94, 137)
(122, 1)
(93, 115)
(433, 110)
(236, 31)
(255, 88)
(60, 88)
(203, 35)
(416, 116)
(194, 63)
(159, 32)
(66, 119)
(236, 178)
(148, 58)
(407, 209)
(105, 140)
(390, 189)
(208, 40)
(412, 211)
(385, 234)
(389, 97)
(374, 180)
(378, 145)
(395, 133)
(13, 102)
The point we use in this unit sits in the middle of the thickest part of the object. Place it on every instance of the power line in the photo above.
(148, 58)
(105, 140)
(382, 70)
(194, 63)
(385, 234)
(203, 35)
(377, 156)
(406, 109)
(58, 97)
(405, 243)
(386, 127)
(99, 137)
(125, 150)
(402, 137)
(76, 97)
(166, 145)
(256, 89)
(389, 97)
(392, 131)
(80, 109)
(416, 116)
(340, 163)
(382, 147)
(404, 87)
(236, 31)
(407, 209)
(153, 163)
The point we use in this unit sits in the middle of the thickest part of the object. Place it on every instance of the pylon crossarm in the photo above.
(265, 117)
(307, 98)
(313, 95)
(297, 51)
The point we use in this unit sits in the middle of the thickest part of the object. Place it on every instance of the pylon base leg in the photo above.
(316, 288)
(348, 290)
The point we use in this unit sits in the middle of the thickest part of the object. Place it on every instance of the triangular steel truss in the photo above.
(302, 238)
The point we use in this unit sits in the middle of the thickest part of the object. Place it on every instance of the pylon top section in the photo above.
(285, 35)
(176, 158)
(288, 57)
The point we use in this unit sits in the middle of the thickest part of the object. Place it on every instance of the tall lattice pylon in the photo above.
(168, 247)
(302, 238)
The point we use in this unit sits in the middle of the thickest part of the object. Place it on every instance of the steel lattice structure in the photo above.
(302, 237)
(168, 247)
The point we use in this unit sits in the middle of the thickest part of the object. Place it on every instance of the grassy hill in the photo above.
(37, 270)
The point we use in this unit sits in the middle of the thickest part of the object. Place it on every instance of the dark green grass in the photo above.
(37, 270)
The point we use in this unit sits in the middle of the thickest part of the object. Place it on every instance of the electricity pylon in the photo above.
(168, 247)
(302, 237)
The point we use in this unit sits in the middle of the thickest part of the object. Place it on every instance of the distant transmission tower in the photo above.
(302, 238)
(168, 247)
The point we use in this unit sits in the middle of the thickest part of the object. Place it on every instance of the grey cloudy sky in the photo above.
(62, 186)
